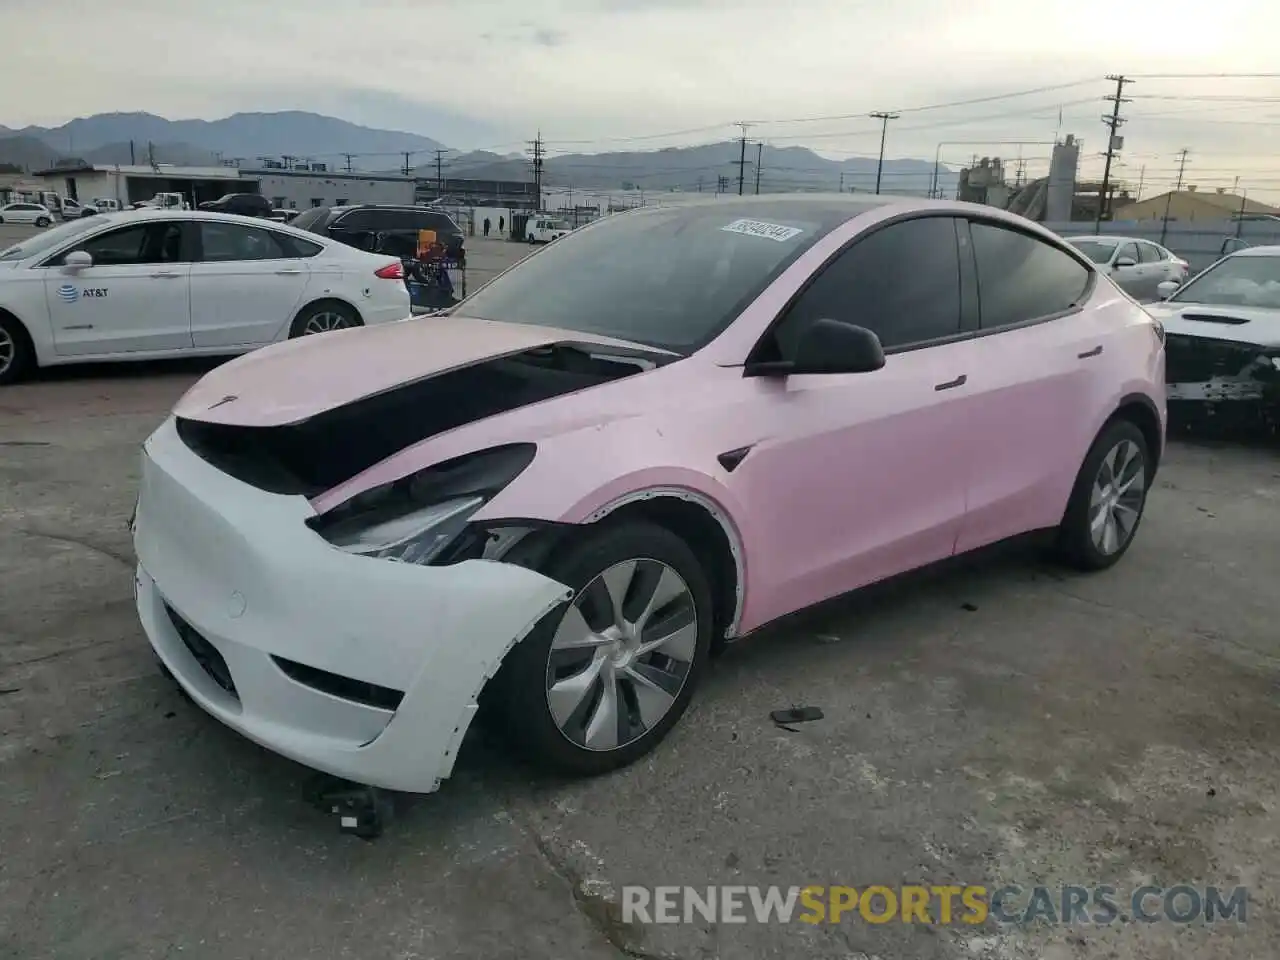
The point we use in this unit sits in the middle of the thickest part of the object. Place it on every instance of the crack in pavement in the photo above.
(81, 542)
(600, 912)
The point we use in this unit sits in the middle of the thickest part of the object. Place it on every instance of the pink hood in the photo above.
(291, 381)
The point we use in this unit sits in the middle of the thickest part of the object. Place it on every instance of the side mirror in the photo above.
(827, 346)
(1126, 262)
(77, 260)
(1167, 288)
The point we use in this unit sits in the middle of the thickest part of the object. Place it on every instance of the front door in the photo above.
(134, 298)
(246, 285)
(856, 477)
(1128, 277)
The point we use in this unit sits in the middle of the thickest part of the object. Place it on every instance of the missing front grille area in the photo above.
(205, 653)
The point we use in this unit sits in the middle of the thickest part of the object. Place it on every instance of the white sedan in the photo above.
(1136, 266)
(148, 284)
(23, 212)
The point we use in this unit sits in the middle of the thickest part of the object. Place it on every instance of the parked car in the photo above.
(671, 427)
(105, 205)
(245, 204)
(23, 212)
(1223, 341)
(545, 229)
(155, 283)
(163, 201)
(281, 215)
(387, 229)
(1136, 266)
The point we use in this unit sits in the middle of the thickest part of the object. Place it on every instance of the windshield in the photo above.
(671, 278)
(1238, 281)
(51, 238)
(1099, 251)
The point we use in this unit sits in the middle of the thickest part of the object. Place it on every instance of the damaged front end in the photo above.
(1222, 384)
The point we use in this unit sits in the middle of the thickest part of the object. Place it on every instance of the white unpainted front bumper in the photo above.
(240, 567)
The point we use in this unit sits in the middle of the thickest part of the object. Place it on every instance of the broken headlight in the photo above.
(415, 518)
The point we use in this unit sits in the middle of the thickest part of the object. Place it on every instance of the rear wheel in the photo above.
(322, 317)
(1109, 497)
(16, 355)
(603, 678)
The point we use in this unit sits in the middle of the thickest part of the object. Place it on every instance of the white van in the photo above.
(545, 229)
(106, 205)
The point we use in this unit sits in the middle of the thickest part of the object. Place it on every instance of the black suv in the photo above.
(245, 204)
(386, 229)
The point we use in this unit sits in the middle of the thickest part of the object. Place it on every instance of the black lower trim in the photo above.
(204, 652)
(345, 688)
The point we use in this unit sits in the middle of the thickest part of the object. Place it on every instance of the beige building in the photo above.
(1192, 204)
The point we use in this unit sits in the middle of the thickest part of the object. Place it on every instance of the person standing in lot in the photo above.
(502, 223)
(486, 226)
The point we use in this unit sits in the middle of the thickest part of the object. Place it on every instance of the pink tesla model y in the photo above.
(659, 433)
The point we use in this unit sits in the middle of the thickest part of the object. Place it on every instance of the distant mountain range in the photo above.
(123, 138)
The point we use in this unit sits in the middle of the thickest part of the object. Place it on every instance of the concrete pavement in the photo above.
(1001, 722)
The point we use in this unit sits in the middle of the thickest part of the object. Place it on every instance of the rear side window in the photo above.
(296, 246)
(315, 220)
(223, 242)
(1021, 278)
(1150, 253)
(902, 281)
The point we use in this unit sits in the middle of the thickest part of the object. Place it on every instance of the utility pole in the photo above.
(408, 163)
(1182, 165)
(536, 144)
(884, 119)
(1142, 177)
(741, 162)
(348, 157)
(759, 157)
(440, 173)
(842, 182)
(133, 160)
(699, 184)
(1114, 143)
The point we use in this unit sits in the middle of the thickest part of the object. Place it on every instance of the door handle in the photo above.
(165, 276)
(282, 273)
(957, 382)
(1095, 352)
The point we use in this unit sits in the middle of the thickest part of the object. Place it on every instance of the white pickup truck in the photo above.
(164, 201)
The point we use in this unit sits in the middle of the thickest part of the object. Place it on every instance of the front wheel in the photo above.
(43, 222)
(1108, 500)
(603, 678)
(323, 317)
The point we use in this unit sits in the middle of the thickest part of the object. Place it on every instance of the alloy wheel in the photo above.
(1115, 501)
(8, 350)
(324, 321)
(621, 654)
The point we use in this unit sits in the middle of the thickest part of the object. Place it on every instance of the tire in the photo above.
(16, 355)
(583, 678)
(1120, 446)
(43, 222)
(322, 317)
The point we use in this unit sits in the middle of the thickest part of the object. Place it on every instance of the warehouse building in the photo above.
(300, 189)
(1192, 204)
(465, 192)
(128, 184)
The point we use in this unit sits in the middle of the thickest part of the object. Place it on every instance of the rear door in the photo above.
(1031, 390)
(1157, 267)
(135, 297)
(246, 284)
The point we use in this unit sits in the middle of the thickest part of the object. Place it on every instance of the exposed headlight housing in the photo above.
(414, 519)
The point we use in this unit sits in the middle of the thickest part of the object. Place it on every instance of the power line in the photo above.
(1114, 142)
(884, 119)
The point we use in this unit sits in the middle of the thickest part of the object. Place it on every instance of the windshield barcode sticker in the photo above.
(758, 228)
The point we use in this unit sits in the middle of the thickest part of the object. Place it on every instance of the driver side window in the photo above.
(902, 282)
(143, 243)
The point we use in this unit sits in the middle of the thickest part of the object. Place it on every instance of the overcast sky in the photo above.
(490, 73)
